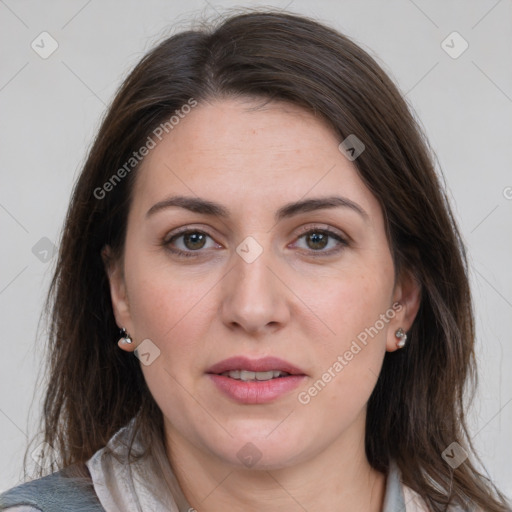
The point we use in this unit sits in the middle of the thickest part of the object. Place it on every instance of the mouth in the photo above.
(255, 381)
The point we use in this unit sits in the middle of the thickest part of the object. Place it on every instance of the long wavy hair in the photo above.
(417, 408)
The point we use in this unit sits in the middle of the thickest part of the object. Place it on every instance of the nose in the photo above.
(254, 298)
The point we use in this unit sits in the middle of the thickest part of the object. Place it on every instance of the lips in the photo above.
(265, 364)
(255, 381)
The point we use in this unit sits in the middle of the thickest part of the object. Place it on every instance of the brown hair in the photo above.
(417, 408)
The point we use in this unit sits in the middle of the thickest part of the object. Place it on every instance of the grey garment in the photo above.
(53, 493)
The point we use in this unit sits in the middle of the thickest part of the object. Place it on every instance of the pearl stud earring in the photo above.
(402, 338)
(125, 337)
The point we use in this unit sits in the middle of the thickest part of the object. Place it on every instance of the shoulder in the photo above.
(51, 493)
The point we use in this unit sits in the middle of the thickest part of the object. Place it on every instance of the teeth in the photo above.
(246, 375)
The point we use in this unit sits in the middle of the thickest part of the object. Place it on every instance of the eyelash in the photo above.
(306, 231)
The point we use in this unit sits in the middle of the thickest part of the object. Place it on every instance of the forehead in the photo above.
(248, 153)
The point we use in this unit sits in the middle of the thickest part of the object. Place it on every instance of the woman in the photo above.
(260, 217)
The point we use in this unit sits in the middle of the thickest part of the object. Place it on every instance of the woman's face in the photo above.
(284, 256)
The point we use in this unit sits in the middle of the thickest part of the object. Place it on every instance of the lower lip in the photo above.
(258, 391)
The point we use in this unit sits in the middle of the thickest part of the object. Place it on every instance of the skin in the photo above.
(292, 302)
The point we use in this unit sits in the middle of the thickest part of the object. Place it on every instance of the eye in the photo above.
(321, 240)
(188, 242)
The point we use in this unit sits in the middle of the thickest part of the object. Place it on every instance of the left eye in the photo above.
(321, 240)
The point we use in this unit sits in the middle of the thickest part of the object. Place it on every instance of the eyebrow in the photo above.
(205, 207)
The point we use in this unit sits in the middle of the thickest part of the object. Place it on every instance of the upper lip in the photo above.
(254, 365)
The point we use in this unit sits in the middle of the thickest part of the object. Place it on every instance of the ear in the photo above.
(407, 298)
(118, 293)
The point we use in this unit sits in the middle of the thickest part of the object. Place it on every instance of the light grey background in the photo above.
(50, 110)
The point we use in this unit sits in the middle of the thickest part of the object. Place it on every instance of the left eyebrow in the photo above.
(321, 203)
(205, 207)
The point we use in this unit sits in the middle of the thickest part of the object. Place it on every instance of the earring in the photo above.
(402, 338)
(125, 337)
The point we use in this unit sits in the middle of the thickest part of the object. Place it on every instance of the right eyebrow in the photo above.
(194, 204)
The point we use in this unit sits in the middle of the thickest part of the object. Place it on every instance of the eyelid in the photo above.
(325, 228)
(189, 228)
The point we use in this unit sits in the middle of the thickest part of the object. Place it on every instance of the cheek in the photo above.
(353, 309)
(173, 315)
(163, 299)
(350, 301)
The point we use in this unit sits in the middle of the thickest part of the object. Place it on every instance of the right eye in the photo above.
(188, 242)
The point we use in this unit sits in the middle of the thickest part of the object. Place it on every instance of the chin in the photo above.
(262, 452)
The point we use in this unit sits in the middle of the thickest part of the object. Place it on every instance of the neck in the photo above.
(339, 478)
